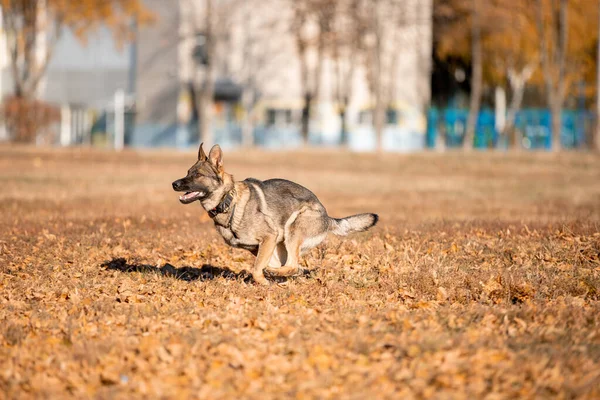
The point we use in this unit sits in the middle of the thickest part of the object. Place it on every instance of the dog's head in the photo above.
(203, 178)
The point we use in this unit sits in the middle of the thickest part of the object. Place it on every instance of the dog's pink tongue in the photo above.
(188, 196)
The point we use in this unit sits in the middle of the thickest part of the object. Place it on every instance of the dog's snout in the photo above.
(177, 184)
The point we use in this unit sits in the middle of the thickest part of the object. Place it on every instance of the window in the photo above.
(278, 116)
(271, 116)
(391, 116)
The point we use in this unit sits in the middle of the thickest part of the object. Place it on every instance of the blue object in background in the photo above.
(486, 137)
(535, 126)
(454, 124)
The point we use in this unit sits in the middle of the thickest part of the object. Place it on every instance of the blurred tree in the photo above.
(567, 36)
(381, 38)
(375, 33)
(597, 133)
(213, 26)
(476, 75)
(553, 32)
(461, 34)
(263, 53)
(312, 28)
(29, 121)
(512, 55)
(349, 26)
(351, 34)
(512, 49)
(207, 87)
(468, 27)
(372, 44)
(215, 29)
(34, 26)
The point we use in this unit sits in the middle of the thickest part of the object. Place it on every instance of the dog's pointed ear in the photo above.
(201, 153)
(215, 156)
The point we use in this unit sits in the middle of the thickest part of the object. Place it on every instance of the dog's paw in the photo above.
(283, 272)
(271, 272)
(260, 279)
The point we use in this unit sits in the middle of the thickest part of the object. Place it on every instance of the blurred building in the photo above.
(4, 73)
(81, 79)
(257, 52)
(257, 68)
(87, 74)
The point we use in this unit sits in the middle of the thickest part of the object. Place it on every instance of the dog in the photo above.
(277, 220)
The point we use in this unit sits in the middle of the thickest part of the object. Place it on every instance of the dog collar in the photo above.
(223, 206)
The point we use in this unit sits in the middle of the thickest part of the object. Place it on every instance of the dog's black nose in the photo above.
(177, 184)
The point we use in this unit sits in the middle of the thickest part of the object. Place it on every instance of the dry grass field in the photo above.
(482, 280)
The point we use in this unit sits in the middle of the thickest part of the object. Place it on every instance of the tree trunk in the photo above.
(316, 87)
(556, 118)
(510, 131)
(249, 96)
(205, 112)
(31, 45)
(597, 135)
(559, 95)
(555, 87)
(379, 116)
(305, 84)
(306, 117)
(476, 77)
(440, 139)
(343, 86)
(344, 129)
(248, 120)
(379, 112)
(207, 91)
(563, 31)
(40, 49)
(517, 84)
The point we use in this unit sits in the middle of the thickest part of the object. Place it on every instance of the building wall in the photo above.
(157, 82)
(259, 49)
(86, 73)
(81, 74)
(256, 50)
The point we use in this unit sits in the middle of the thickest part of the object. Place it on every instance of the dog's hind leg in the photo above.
(305, 232)
(291, 265)
(279, 257)
(263, 257)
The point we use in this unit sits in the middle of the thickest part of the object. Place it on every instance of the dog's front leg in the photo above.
(265, 251)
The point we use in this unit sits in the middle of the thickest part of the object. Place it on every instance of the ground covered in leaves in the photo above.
(482, 280)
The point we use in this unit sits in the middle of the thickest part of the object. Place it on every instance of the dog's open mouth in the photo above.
(189, 197)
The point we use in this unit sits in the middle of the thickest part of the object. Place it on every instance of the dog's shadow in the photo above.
(205, 273)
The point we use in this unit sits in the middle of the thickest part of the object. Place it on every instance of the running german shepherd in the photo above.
(277, 220)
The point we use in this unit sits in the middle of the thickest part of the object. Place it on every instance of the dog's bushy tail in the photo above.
(354, 223)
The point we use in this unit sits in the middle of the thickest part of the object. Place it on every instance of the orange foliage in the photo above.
(481, 282)
(27, 119)
(25, 20)
(511, 39)
(84, 15)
